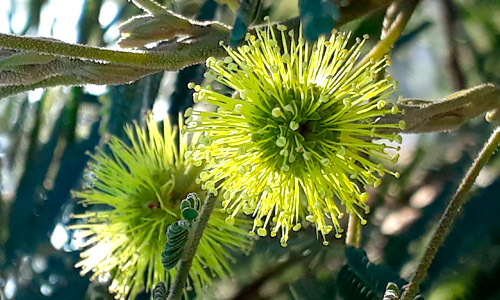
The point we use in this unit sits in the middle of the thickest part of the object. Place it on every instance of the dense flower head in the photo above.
(294, 139)
(133, 197)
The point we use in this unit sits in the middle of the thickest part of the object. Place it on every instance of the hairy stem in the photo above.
(170, 56)
(451, 213)
(190, 250)
(449, 113)
(46, 83)
(174, 58)
(390, 15)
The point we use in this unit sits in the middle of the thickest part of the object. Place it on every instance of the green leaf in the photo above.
(360, 279)
(189, 214)
(160, 291)
(185, 204)
(178, 232)
(192, 200)
(177, 236)
(351, 287)
(141, 30)
(23, 58)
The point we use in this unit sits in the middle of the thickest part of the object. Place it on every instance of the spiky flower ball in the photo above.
(294, 139)
(133, 198)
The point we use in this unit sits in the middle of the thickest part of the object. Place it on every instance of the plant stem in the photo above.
(448, 113)
(178, 56)
(191, 245)
(353, 237)
(169, 57)
(452, 30)
(449, 216)
(406, 8)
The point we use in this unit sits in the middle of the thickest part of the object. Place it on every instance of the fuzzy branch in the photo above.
(447, 114)
(173, 56)
(189, 42)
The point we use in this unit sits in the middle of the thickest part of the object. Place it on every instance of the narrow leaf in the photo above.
(141, 30)
(23, 58)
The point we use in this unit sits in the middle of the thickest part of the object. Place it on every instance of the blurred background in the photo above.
(45, 134)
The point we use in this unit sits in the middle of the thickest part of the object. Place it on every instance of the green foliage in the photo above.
(351, 287)
(178, 232)
(190, 206)
(467, 266)
(11, 60)
(160, 291)
(361, 279)
(391, 292)
(177, 236)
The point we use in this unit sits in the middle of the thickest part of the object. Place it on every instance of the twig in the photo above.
(353, 237)
(175, 56)
(31, 73)
(451, 26)
(451, 213)
(46, 83)
(448, 113)
(186, 261)
(81, 75)
(405, 8)
(390, 15)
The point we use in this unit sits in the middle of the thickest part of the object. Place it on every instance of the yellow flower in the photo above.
(293, 141)
(134, 196)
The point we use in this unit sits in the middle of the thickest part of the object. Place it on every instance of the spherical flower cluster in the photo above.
(294, 138)
(133, 198)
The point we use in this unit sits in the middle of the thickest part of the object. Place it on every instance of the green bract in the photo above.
(293, 141)
(135, 196)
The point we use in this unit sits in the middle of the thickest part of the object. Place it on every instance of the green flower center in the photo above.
(293, 134)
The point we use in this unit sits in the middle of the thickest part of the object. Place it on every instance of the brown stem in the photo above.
(452, 27)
